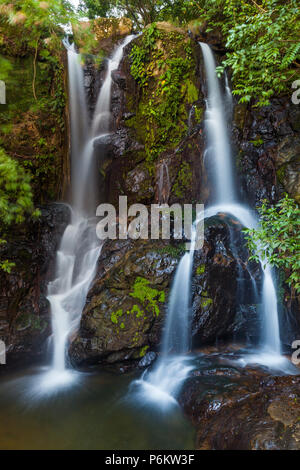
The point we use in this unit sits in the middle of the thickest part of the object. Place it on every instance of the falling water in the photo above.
(101, 120)
(225, 197)
(163, 383)
(218, 149)
(79, 249)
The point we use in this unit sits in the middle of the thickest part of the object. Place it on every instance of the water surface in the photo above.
(97, 411)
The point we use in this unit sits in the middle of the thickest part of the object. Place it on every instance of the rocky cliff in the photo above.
(155, 154)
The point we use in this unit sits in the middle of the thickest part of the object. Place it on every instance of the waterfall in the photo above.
(162, 384)
(77, 256)
(218, 148)
(101, 120)
(225, 199)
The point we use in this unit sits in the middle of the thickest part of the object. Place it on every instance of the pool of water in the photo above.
(92, 411)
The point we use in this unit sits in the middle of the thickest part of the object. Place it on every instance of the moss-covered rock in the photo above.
(33, 122)
(158, 111)
(126, 306)
(163, 62)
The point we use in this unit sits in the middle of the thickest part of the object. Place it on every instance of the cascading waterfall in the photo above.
(218, 150)
(225, 199)
(101, 120)
(162, 384)
(79, 249)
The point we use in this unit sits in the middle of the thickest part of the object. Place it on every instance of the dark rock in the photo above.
(24, 309)
(147, 359)
(119, 78)
(267, 143)
(246, 412)
(224, 301)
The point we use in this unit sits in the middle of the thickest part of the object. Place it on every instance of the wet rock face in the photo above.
(268, 146)
(125, 165)
(126, 306)
(243, 409)
(24, 312)
(224, 300)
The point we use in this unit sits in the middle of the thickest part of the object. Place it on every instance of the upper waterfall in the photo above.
(218, 152)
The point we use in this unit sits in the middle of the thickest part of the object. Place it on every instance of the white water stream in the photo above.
(79, 249)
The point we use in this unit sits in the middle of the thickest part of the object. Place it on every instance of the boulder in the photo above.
(236, 409)
(126, 306)
(224, 299)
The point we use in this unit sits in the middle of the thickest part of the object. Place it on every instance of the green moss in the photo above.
(143, 350)
(32, 122)
(200, 269)
(148, 297)
(198, 113)
(183, 181)
(175, 251)
(163, 65)
(31, 321)
(257, 142)
(280, 173)
(206, 302)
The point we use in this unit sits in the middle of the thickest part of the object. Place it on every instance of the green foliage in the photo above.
(16, 198)
(142, 13)
(5, 68)
(263, 44)
(277, 238)
(262, 37)
(38, 17)
(163, 64)
(257, 142)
